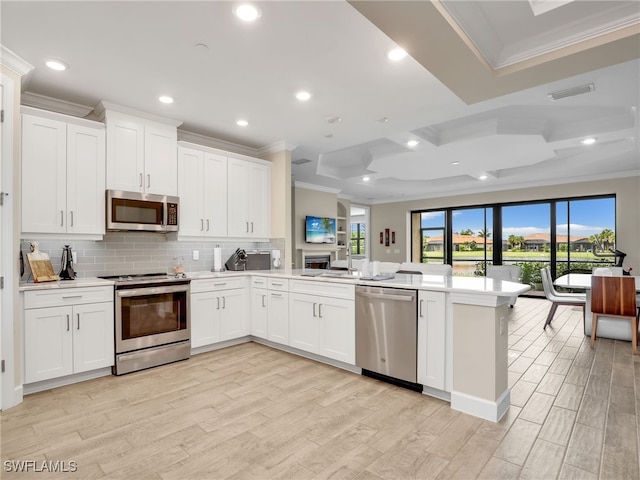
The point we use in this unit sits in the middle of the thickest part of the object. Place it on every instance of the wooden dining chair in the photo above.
(614, 297)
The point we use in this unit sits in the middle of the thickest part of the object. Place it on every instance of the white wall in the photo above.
(395, 216)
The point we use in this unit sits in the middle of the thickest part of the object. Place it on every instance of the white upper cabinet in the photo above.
(141, 151)
(249, 198)
(63, 174)
(202, 188)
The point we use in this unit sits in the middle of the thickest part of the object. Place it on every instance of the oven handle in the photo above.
(139, 292)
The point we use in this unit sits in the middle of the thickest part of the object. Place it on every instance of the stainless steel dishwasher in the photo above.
(386, 334)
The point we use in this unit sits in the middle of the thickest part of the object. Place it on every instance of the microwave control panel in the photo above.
(172, 214)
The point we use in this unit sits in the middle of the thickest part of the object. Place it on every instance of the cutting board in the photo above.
(41, 268)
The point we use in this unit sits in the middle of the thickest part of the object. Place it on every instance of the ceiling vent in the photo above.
(301, 161)
(572, 92)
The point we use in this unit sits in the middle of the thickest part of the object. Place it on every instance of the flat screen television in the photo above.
(320, 229)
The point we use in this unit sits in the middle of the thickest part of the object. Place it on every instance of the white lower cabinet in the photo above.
(323, 325)
(432, 339)
(69, 338)
(270, 309)
(218, 310)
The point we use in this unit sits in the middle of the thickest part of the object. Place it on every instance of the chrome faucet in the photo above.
(349, 261)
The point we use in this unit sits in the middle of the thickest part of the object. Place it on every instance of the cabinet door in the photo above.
(233, 317)
(160, 160)
(279, 317)
(431, 339)
(259, 312)
(44, 186)
(48, 343)
(85, 180)
(304, 330)
(259, 204)
(337, 329)
(215, 195)
(237, 195)
(205, 319)
(190, 192)
(92, 336)
(125, 155)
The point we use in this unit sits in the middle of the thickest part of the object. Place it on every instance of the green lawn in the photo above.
(522, 256)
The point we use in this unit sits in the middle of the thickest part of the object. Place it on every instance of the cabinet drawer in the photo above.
(281, 284)
(216, 284)
(67, 296)
(323, 288)
(259, 282)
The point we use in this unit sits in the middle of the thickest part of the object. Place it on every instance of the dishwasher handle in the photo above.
(386, 296)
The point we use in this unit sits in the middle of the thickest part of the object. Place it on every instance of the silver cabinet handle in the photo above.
(273, 294)
(263, 300)
(314, 309)
(220, 284)
(276, 283)
(64, 297)
(201, 225)
(251, 227)
(319, 310)
(148, 180)
(421, 303)
(218, 299)
(247, 226)
(224, 302)
(78, 321)
(140, 180)
(61, 218)
(72, 218)
(207, 224)
(67, 322)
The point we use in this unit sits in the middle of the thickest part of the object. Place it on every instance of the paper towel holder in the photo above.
(218, 266)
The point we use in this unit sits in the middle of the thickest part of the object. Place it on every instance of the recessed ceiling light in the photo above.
(588, 141)
(247, 12)
(242, 123)
(412, 143)
(483, 177)
(366, 179)
(335, 119)
(201, 47)
(396, 54)
(165, 99)
(55, 64)
(455, 163)
(382, 120)
(303, 96)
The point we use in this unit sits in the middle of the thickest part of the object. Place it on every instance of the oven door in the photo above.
(151, 316)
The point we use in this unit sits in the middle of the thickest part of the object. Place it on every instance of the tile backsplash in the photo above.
(138, 252)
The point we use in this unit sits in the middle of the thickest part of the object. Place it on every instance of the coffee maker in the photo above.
(67, 272)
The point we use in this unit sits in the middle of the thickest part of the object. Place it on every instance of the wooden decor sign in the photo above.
(40, 265)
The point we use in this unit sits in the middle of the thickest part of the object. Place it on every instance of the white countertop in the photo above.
(473, 285)
(78, 282)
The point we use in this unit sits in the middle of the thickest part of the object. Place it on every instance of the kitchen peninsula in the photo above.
(462, 324)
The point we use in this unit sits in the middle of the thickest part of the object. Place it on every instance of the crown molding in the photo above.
(36, 100)
(320, 188)
(103, 107)
(275, 147)
(13, 62)
(216, 143)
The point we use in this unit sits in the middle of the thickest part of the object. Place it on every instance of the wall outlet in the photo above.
(196, 255)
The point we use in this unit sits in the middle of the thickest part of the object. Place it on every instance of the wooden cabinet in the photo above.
(202, 188)
(63, 174)
(67, 333)
(432, 339)
(249, 199)
(141, 151)
(218, 310)
(270, 309)
(321, 324)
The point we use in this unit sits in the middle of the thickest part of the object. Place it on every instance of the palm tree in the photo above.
(484, 233)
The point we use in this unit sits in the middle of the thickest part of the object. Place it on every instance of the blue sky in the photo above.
(587, 217)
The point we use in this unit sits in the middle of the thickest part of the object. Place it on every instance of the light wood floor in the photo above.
(252, 412)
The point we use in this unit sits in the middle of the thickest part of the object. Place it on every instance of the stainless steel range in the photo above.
(152, 320)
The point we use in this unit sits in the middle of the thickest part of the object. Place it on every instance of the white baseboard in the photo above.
(67, 380)
(481, 407)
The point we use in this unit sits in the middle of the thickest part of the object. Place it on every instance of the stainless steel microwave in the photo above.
(134, 211)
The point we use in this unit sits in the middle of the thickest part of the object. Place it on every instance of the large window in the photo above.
(571, 234)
